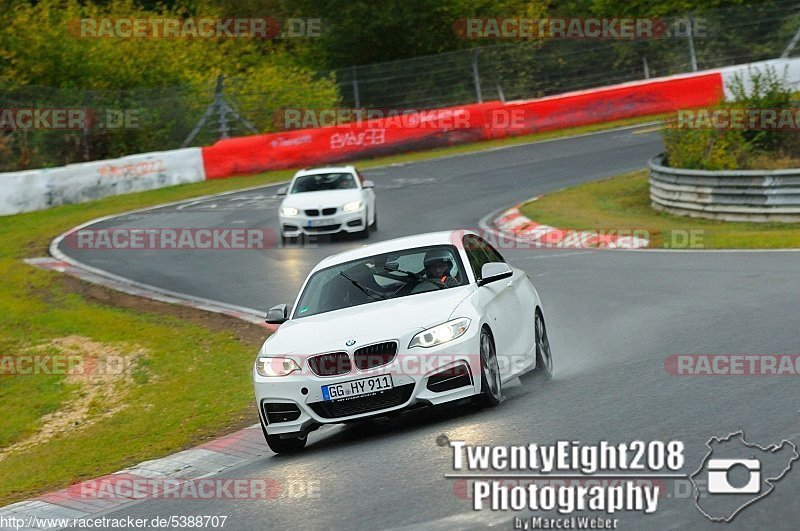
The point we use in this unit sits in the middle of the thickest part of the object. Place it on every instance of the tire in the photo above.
(491, 388)
(374, 225)
(281, 445)
(544, 356)
(364, 234)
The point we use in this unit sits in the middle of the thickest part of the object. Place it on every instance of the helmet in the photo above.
(438, 256)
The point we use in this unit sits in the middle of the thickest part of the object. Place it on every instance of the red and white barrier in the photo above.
(39, 189)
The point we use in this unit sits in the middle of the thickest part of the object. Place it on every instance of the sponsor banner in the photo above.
(469, 123)
(31, 190)
(306, 147)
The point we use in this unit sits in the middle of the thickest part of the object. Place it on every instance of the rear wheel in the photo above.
(491, 389)
(544, 357)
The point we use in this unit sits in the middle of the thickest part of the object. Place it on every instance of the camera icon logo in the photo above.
(719, 471)
(736, 473)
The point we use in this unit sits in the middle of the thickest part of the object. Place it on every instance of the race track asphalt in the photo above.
(613, 318)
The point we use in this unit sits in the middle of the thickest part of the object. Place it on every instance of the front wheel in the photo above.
(281, 445)
(491, 389)
(374, 225)
(364, 234)
(544, 357)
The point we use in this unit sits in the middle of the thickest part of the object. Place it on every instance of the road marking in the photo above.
(649, 130)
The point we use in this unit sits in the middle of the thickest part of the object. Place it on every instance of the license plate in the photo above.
(364, 386)
(318, 222)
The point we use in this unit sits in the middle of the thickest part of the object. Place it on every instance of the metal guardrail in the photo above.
(730, 195)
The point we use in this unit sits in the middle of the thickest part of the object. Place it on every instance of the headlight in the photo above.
(352, 207)
(289, 211)
(277, 366)
(440, 334)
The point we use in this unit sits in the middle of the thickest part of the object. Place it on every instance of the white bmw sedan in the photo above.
(424, 320)
(327, 201)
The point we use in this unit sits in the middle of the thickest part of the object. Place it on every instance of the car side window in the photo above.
(476, 254)
(489, 250)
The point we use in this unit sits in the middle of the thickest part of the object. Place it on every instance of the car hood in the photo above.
(367, 323)
(328, 198)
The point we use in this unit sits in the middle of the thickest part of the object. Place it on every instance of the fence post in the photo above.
(220, 104)
(221, 107)
(690, 36)
(87, 98)
(356, 95)
(476, 78)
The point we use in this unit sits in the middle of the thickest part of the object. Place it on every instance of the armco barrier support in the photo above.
(31, 190)
(740, 195)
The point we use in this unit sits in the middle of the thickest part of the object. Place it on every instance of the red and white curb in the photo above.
(515, 225)
(172, 476)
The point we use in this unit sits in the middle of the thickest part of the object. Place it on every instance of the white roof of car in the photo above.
(326, 169)
(448, 237)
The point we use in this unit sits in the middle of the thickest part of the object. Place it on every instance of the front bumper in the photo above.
(416, 377)
(293, 226)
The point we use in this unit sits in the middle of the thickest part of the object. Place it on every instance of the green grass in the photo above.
(193, 382)
(623, 203)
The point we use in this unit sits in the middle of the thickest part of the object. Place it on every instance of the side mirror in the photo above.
(367, 184)
(277, 314)
(281, 191)
(494, 271)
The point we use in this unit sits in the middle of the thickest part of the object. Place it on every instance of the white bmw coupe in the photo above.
(424, 320)
(327, 201)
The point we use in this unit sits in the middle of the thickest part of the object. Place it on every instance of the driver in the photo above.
(438, 263)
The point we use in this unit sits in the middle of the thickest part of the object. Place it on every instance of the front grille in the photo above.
(312, 212)
(324, 228)
(375, 355)
(275, 412)
(330, 364)
(449, 379)
(328, 211)
(363, 404)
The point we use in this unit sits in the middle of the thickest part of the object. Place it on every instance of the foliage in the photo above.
(709, 148)
(165, 82)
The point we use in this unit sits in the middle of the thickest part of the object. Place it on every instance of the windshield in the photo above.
(323, 181)
(381, 277)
